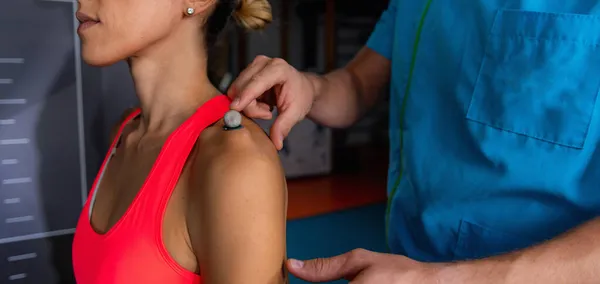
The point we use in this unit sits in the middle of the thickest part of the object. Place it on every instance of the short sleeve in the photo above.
(381, 40)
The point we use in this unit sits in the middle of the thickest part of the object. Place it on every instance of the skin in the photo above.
(340, 98)
(239, 228)
(224, 213)
(337, 99)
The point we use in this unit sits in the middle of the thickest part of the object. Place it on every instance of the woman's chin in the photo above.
(98, 60)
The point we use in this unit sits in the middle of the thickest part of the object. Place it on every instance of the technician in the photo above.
(494, 172)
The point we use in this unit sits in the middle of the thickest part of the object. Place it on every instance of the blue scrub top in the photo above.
(494, 123)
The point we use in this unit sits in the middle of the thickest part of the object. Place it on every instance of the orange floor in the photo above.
(320, 195)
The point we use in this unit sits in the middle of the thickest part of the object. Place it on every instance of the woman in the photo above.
(179, 199)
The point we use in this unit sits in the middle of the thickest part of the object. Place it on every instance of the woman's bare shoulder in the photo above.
(217, 145)
(115, 129)
(238, 186)
(246, 153)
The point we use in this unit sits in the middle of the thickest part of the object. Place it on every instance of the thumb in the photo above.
(345, 266)
(281, 128)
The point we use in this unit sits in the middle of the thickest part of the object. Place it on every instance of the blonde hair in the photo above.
(253, 14)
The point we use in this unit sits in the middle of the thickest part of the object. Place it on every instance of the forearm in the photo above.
(343, 96)
(573, 257)
(338, 102)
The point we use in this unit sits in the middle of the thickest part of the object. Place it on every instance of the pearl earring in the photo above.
(189, 11)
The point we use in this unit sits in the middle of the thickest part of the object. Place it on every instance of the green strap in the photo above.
(413, 61)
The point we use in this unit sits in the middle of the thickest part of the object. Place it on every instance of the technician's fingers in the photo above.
(344, 266)
(242, 79)
(273, 73)
(282, 126)
(246, 76)
(258, 110)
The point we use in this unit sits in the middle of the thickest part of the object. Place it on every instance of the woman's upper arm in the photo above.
(241, 207)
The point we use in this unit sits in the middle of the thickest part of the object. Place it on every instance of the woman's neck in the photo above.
(171, 82)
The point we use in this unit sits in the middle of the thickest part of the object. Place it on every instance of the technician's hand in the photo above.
(364, 267)
(271, 82)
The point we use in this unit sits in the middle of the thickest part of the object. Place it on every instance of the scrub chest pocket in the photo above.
(540, 76)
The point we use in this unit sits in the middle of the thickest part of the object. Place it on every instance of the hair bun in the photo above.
(253, 14)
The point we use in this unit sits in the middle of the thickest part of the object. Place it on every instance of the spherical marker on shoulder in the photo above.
(233, 120)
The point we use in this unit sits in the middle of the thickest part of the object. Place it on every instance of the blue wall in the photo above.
(336, 233)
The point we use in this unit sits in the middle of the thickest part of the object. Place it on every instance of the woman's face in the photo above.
(113, 30)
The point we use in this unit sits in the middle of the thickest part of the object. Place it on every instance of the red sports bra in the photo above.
(132, 251)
